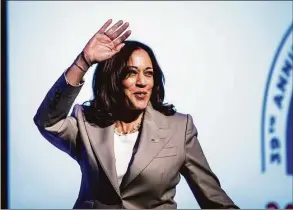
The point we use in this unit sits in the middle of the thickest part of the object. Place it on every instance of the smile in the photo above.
(140, 95)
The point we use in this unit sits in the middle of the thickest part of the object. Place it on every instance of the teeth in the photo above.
(140, 94)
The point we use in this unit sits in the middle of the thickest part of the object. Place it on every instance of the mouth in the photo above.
(140, 95)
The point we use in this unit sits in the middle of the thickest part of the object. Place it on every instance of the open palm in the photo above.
(104, 44)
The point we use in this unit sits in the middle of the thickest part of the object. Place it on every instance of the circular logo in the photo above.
(277, 113)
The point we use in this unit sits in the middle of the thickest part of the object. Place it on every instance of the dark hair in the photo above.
(108, 91)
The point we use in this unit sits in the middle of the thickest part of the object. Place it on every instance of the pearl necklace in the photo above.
(132, 131)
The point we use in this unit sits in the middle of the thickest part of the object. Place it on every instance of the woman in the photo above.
(131, 147)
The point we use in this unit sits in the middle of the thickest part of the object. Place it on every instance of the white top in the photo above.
(123, 147)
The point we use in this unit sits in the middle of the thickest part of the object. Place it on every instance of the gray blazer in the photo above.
(167, 147)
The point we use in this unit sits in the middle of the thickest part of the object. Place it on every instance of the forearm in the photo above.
(62, 94)
(57, 103)
(77, 70)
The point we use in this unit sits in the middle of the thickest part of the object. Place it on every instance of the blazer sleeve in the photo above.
(52, 117)
(203, 183)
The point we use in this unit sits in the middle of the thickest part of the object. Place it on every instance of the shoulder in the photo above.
(178, 118)
(179, 122)
(185, 119)
(90, 115)
(186, 122)
(78, 111)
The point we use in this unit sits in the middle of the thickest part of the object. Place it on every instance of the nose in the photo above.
(141, 80)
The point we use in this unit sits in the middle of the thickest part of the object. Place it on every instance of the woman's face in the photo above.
(139, 81)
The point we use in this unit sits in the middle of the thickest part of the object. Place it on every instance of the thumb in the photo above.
(119, 47)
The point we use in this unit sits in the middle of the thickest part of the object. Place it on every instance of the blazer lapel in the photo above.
(154, 136)
(102, 142)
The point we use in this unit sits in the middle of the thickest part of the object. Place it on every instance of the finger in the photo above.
(122, 38)
(113, 28)
(105, 26)
(119, 31)
(119, 47)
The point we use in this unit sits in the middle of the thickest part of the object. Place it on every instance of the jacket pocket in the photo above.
(167, 152)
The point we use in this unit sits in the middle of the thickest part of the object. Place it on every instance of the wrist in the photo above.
(86, 58)
(81, 62)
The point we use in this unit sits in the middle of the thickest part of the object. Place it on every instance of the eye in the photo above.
(149, 73)
(129, 73)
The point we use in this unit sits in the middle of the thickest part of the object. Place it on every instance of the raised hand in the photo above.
(106, 43)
